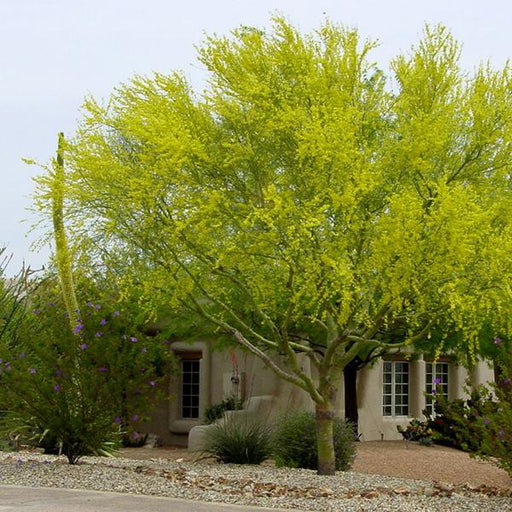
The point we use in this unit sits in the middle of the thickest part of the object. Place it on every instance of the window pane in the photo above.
(395, 388)
(190, 388)
(436, 377)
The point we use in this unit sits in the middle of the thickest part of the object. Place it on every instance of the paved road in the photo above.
(45, 499)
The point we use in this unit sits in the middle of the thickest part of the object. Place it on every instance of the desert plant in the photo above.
(294, 442)
(77, 392)
(416, 430)
(239, 441)
(496, 424)
(459, 423)
(425, 441)
(216, 411)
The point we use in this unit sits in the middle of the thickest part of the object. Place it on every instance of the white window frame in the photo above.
(438, 370)
(395, 388)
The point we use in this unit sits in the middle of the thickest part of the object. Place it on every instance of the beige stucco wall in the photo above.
(217, 368)
(374, 426)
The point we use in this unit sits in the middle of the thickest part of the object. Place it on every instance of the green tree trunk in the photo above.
(325, 439)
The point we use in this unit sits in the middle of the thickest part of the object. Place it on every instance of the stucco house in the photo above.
(390, 393)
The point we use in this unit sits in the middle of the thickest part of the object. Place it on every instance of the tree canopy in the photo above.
(306, 202)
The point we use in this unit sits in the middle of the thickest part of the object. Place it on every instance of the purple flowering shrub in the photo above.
(459, 423)
(497, 426)
(79, 391)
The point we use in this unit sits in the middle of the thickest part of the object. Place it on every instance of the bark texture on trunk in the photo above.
(325, 439)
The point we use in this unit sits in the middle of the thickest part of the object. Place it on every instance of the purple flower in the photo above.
(497, 341)
(98, 335)
(36, 311)
(487, 421)
(90, 304)
(135, 417)
(78, 328)
(83, 346)
(56, 387)
(97, 307)
(58, 373)
(133, 339)
(33, 371)
(437, 380)
(103, 321)
(77, 311)
(102, 369)
(152, 383)
(144, 350)
(116, 313)
(135, 435)
(117, 420)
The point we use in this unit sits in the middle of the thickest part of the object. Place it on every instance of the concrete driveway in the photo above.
(46, 499)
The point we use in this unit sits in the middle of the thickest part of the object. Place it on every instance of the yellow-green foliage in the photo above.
(305, 202)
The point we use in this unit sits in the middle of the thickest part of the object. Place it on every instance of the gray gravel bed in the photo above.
(264, 486)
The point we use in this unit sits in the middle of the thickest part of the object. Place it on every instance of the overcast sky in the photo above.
(55, 52)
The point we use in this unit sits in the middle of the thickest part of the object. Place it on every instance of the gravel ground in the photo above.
(250, 485)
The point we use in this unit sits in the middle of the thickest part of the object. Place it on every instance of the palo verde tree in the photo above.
(302, 204)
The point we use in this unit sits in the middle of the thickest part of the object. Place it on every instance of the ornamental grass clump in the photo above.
(79, 391)
(239, 441)
(294, 442)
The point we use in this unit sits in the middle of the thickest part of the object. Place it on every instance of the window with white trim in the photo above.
(395, 388)
(436, 383)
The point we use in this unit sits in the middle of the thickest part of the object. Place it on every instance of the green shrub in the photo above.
(425, 441)
(239, 441)
(496, 424)
(77, 392)
(459, 423)
(294, 442)
(216, 411)
(415, 431)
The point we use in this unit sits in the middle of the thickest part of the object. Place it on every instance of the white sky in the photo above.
(54, 52)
